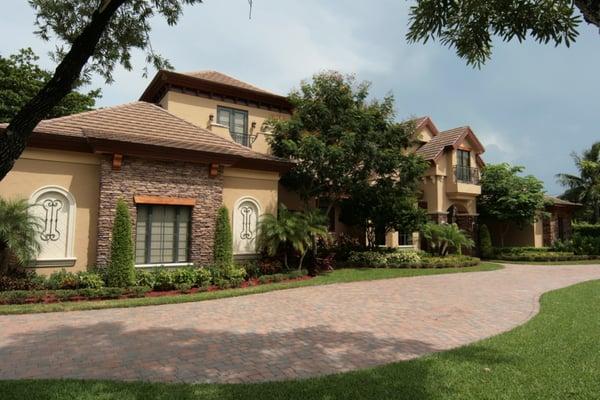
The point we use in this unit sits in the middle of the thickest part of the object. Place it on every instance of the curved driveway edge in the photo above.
(278, 335)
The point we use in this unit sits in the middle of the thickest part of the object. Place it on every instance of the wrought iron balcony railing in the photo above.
(465, 174)
(242, 138)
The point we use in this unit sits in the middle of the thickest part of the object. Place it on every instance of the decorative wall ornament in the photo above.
(55, 207)
(246, 213)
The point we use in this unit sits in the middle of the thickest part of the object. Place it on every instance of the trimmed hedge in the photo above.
(409, 259)
(121, 270)
(519, 250)
(547, 256)
(589, 230)
(37, 296)
(223, 245)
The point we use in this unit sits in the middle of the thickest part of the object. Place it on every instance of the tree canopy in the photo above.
(21, 78)
(509, 198)
(349, 149)
(585, 188)
(469, 26)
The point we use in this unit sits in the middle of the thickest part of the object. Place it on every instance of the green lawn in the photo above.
(337, 276)
(556, 355)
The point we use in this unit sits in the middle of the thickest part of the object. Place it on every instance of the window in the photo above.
(237, 121)
(405, 239)
(55, 207)
(463, 166)
(162, 234)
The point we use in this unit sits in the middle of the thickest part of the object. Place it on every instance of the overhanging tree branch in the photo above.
(14, 140)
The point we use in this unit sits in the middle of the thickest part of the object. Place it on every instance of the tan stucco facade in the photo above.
(198, 110)
(77, 173)
(261, 186)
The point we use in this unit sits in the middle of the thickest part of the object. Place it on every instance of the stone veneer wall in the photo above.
(160, 178)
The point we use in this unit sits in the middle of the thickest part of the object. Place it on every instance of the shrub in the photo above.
(138, 291)
(265, 279)
(14, 297)
(145, 278)
(27, 280)
(223, 246)
(183, 287)
(18, 235)
(112, 292)
(121, 271)
(203, 277)
(485, 242)
(184, 276)
(89, 280)
(403, 257)
(454, 261)
(163, 280)
(586, 245)
(235, 275)
(563, 246)
(222, 283)
(252, 268)
(367, 259)
(519, 250)
(90, 293)
(65, 294)
(62, 280)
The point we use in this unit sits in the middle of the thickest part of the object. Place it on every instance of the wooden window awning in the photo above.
(166, 201)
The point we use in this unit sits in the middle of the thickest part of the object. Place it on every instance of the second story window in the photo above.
(237, 121)
(463, 166)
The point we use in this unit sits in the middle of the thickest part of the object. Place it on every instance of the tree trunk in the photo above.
(13, 142)
(301, 260)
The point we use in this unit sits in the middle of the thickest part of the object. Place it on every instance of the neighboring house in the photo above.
(555, 225)
(451, 184)
(194, 141)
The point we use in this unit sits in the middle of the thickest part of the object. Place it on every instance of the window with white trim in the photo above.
(55, 208)
(162, 234)
(237, 121)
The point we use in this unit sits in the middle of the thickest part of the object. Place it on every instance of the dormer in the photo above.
(226, 106)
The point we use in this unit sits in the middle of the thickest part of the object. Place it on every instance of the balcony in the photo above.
(465, 182)
(242, 138)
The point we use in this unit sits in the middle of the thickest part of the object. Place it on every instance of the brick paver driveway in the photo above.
(279, 335)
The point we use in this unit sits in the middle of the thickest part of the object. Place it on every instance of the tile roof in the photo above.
(560, 202)
(432, 149)
(219, 77)
(146, 124)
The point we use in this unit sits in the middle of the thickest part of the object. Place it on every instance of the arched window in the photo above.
(55, 208)
(245, 225)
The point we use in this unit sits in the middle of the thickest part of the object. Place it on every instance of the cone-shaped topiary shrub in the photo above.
(485, 242)
(223, 246)
(121, 272)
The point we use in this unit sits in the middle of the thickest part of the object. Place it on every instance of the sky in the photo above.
(531, 105)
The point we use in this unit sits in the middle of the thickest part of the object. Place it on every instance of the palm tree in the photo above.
(290, 230)
(585, 188)
(18, 229)
(444, 237)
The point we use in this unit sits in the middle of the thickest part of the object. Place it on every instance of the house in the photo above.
(193, 142)
(554, 225)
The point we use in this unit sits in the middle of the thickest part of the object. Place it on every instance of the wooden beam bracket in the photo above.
(117, 161)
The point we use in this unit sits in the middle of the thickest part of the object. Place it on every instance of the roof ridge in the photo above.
(95, 111)
(228, 76)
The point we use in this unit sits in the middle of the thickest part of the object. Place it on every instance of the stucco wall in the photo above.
(260, 185)
(197, 110)
(78, 173)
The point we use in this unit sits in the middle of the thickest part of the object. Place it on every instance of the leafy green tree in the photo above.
(21, 78)
(444, 238)
(585, 188)
(349, 149)
(469, 25)
(223, 246)
(121, 269)
(508, 198)
(93, 37)
(18, 235)
(485, 242)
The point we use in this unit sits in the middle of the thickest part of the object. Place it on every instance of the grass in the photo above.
(575, 262)
(553, 356)
(337, 276)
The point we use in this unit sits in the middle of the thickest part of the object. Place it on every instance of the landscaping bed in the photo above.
(538, 254)
(408, 259)
(160, 283)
